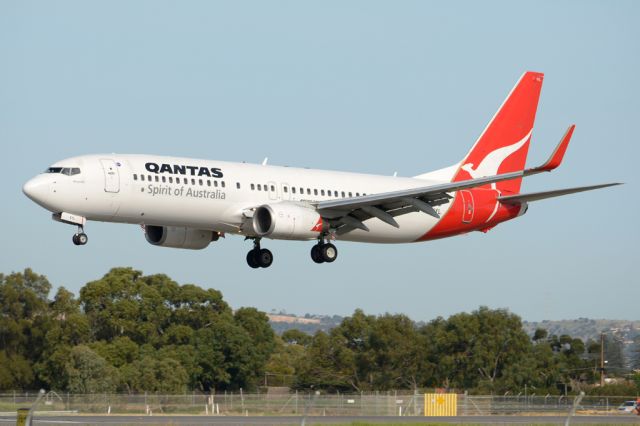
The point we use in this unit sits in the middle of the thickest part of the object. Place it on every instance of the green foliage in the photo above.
(296, 337)
(88, 372)
(127, 332)
(134, 333)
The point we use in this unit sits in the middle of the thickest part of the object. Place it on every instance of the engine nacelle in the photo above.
(179, 237)
(290, 221)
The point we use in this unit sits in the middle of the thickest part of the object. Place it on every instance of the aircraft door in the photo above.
(111, 175)
(467, 205)
(273, 191)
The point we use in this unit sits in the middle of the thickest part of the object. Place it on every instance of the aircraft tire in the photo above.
(75, 239)
(264, 258)
(328, 252)
(315, 254)
(251, 259)
(82, 239)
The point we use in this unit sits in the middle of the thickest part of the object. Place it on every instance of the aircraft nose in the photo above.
(37, 189)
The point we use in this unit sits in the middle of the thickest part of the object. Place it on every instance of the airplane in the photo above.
(189, 203)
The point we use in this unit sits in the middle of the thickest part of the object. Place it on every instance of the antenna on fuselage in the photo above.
(264, 162)
(395, 174)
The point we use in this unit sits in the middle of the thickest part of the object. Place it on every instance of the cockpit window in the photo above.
(69, 171)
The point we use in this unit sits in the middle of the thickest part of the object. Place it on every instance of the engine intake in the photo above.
(179, 237)
(288, 221)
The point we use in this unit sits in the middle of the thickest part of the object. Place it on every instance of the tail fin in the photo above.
(503, 145)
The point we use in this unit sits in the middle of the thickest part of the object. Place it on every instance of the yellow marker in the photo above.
(440, 404)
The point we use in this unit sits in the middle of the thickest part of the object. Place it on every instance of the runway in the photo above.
(289, 420)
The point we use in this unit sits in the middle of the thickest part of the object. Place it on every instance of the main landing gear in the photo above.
(324, 252)
(80, 238)
(259, 257)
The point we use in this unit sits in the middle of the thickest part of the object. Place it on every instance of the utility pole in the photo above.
(601, 359)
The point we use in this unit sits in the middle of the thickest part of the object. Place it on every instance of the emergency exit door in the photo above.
(467, 205)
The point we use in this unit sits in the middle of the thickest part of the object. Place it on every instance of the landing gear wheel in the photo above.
(264, 258)
(251, 259)
(80, 239)
(315, 254)
(329, 252)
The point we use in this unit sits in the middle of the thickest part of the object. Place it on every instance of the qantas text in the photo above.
(177, 169)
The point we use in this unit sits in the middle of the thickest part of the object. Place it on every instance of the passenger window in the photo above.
(335, 193)
(273, 188)
(308, 191)
(222, 183)
(342, 194)
(284, 188)
(142, 178)
(266, 188)
(150, 178)
(238, 185)
(208, 182)
(259, 187)
(193, 181)
(302, 190)
(164, 179)
(135, 176)
(293, 189)
(350, 195)
(157, 178)
(322, 192)
(253, 187)
(315, 192)
(357, 194)
(170, 179)
(200, 182)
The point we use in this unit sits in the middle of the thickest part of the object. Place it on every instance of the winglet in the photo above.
(558, 154)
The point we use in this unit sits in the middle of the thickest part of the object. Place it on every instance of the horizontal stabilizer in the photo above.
(535, 196)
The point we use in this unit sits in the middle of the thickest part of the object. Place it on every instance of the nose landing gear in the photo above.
(259, 257)
(80, 238)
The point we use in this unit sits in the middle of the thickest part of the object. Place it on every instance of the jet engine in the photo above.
(179, 237)
(287, 220)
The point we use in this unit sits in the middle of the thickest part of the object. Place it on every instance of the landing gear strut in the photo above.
(259, 258)
(324, 252)
(80, 238)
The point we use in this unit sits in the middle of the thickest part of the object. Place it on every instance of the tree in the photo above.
(540, 334)
(263, 341)
(88, 372)
(477, 349)
(151, 374)
(296, 337)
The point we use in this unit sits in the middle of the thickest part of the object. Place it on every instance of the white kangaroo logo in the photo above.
(491, 163)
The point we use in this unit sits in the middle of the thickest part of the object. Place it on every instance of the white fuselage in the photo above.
(213, 195)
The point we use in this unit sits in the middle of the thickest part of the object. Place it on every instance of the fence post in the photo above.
(33, 408)
(572, 412)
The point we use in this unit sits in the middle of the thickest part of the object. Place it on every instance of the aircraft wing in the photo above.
(351, 212)
(535, 196)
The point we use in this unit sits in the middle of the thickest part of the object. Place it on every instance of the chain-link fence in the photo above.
(300, 403)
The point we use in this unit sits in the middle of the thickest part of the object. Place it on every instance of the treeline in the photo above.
(128, 332)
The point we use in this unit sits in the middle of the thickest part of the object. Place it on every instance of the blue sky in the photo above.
(373, 87)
